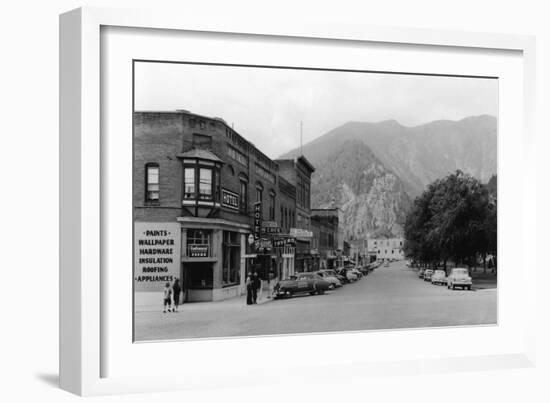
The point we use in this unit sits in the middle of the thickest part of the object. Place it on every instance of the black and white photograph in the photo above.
(270, 200)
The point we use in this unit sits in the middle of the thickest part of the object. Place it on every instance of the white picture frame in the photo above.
(84, 345)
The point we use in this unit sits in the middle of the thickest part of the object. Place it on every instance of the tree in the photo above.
(455, 218)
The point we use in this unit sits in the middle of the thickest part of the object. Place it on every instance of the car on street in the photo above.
(308, 282)
(459, 277)
(331, 278)
(439, 277)
(421, 273)
(386, 263)
(428, 274)
(357, 272)
(348, 274)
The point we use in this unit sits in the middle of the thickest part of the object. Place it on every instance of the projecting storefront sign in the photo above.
(257, 228)
(282, 242)
(300, 233)
(156, 254)
(230, 199)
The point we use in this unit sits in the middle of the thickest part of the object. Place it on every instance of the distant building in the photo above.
(325, 224)
(384, 249)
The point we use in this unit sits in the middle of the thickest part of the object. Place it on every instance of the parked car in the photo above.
(459, 278)
(350, 276)
(421, 273)
(331, 278)
(386, 263)
(428, 274)
(357, 272)
(310, 283)
(439, 277)
(333, 273)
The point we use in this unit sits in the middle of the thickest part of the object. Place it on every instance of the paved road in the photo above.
(388, 298)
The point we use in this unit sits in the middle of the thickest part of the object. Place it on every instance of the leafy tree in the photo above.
(455, 218)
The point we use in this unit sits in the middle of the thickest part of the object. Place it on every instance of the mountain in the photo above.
(374, 170)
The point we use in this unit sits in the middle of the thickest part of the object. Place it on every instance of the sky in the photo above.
(266, 105)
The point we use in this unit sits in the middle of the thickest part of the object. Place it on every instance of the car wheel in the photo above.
(290, 294)
(331, 287)
(469, 287)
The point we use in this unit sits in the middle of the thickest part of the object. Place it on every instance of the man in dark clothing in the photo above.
(257, 284)
(249, 289)
(176, 290)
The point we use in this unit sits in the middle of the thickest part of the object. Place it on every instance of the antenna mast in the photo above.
(301, 137)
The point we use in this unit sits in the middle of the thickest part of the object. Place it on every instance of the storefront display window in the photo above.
(231, 258)
(199, 243)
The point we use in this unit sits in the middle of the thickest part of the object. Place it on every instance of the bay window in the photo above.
(205, 183)
(190, 189)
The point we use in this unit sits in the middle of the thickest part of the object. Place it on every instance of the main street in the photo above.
(388, 298)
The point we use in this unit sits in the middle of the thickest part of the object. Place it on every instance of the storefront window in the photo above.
(231, 258)
(198, 243)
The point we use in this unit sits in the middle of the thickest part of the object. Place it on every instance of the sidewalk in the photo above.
(231, 303)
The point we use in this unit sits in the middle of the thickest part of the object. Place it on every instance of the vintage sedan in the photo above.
(459, 278)
(301, 283)
(428, 274)
(439, 277)
(331, 278)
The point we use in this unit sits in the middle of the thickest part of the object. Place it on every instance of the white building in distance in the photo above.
(386, 249)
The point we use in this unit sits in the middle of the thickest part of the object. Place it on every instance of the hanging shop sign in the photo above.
(300, 233)
(283, 242)
(230, 199)
(156, 254)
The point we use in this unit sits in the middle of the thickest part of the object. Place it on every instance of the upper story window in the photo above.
(190, 190)
(202, 183)
(272, 206)
(243, 195)
(205, 183)
(259, 192)
(152, 189)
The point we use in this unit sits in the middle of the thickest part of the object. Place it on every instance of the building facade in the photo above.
(386, 249)
(325, 225)
(203, 192)
(298, 173)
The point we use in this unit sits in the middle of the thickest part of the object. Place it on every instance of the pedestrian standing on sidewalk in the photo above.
(167, 297)
(257, 285)
(176, 290)
(249, 289)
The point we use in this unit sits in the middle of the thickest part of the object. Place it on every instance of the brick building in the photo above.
(325, 224)
(298, 173)
(218, 201)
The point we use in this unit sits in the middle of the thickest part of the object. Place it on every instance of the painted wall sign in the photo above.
(156, 254)
(230, 199)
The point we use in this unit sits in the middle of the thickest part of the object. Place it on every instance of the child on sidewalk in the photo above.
(167, 297)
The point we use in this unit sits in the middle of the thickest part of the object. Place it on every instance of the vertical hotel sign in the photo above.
(257, 230)
(156, 254)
